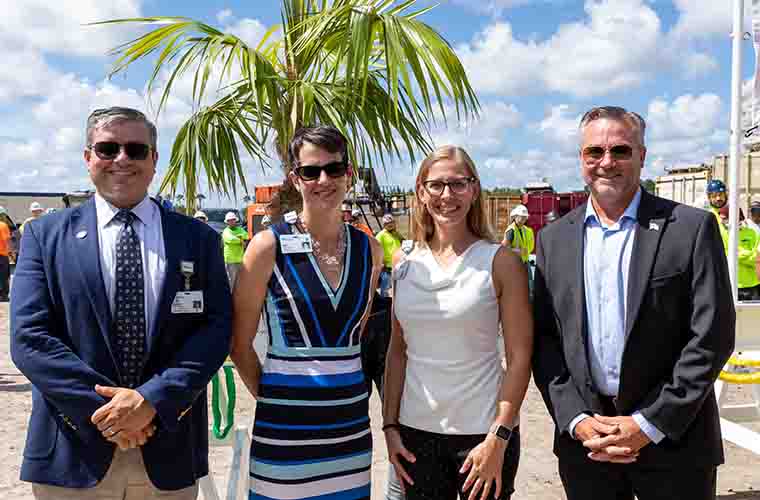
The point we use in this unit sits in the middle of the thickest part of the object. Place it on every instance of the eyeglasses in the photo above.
(620, 152)
(108, 150)
(334, 170)
(457, 186)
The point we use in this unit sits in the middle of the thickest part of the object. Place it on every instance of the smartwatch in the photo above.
(501, 432)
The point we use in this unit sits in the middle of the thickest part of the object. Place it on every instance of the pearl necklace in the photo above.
(322, 256)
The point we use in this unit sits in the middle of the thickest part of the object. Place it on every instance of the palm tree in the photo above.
(370, 68)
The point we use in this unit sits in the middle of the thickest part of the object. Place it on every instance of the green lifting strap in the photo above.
(229, 378)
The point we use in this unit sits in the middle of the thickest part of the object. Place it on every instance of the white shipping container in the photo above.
(687, 186)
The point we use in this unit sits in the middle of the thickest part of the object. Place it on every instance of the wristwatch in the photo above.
(501, 432)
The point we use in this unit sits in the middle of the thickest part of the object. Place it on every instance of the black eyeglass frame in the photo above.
(466, 180)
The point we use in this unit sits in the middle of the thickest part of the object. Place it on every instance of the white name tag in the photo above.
(407, 246)
(295, 243)
(291, 217)
(188, 302)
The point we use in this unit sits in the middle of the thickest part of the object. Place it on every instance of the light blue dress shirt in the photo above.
(606, 263)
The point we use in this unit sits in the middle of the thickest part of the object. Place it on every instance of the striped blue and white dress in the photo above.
(311, 436)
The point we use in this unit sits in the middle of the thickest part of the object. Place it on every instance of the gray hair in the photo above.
(106, 116)
(632, 119)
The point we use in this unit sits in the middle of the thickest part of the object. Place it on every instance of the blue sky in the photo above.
(536, 66)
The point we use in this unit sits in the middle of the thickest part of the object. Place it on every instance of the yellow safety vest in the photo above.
(522, 239)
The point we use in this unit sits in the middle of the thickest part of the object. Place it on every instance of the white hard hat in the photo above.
(356, 212)
(519, 210)
(387, 219)
(3, 211)
(50, 211)
(230, 216)
(266, 220)
(200, 214)
(35, 206)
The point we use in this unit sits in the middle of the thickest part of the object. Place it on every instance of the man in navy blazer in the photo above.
(120, 316)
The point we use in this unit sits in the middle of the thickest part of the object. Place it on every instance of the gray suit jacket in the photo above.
(679, 331)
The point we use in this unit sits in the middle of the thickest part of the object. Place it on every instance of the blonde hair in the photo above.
(423, 227)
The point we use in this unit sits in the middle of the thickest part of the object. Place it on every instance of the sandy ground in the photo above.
(738, 479)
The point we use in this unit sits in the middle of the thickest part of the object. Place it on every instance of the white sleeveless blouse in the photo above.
(450, 321)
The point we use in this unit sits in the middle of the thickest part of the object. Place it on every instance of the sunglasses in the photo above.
(108, 150)
(619, 152)
(334, 170)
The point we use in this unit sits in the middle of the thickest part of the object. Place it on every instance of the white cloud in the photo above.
(561, 170)
(223, 15)
(690, 129)
(592, 57)
(495, 7)
(485, 134)
(707, 18)
(24, 73)
(249, 30)
(58, 27)
(560, 128)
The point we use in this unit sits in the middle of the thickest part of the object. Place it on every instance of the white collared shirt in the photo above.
(148, 228)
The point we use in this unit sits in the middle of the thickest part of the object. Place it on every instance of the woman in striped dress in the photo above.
(312, 278)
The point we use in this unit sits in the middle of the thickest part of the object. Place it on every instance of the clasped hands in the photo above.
(611, 439)
(126, 419)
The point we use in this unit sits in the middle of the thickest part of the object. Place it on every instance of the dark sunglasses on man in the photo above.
(334, 170)
(596, 153)
(108, 150)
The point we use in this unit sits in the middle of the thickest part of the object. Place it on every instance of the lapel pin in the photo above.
(653, 226)
(81, 235)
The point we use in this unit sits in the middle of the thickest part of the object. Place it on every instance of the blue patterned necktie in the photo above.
(129, 300)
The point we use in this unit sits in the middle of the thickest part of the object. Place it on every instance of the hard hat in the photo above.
(345, 207)
(716, 186)
(200, 214)
(3, 211)
(387, 219)
(50, 211)
(356, 212)
(551, 216)
(35, 207)
(230, 216)
(754, 207)
(519, 210)
(266, 220)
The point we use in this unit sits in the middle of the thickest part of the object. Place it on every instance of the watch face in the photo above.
(502, 432)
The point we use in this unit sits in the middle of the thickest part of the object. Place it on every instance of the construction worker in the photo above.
(5, 252)
(746, 274)
(37, 210)
(201, 216)
(754, 216)
(234, 239)
(717, 197)
(358, 224)
(518, 236)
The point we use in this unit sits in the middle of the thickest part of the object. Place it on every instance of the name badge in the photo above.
(407, 246)
(188, 302)
(295, 243)
(290, 217)
(187, 268)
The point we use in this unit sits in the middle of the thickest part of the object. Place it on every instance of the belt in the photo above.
(608, 405)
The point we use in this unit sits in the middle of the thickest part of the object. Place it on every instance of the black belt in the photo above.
(608, 405)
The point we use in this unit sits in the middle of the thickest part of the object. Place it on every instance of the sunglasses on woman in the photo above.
(108, 150)
(596, 153)
(334, 170)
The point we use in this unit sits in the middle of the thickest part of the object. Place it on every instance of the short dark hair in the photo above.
(631, 118)
(326, 137)
(106, 116)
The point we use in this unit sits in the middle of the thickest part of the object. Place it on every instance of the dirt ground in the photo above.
(738, 479)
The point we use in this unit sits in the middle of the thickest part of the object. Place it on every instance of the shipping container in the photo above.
(685, 185)
(540, 203)
(264, 193)
(17, 204)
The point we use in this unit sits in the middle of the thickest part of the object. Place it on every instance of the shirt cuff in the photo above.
(574, 422)
(653, 433)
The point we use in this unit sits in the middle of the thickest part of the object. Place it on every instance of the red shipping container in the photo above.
(264, 193)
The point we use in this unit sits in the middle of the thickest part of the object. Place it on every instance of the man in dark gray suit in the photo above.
(633, 323)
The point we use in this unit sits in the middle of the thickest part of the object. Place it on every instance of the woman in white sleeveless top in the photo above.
(450, 410)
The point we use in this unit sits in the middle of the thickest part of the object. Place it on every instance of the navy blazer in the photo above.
(679, 331)
(60, 340)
